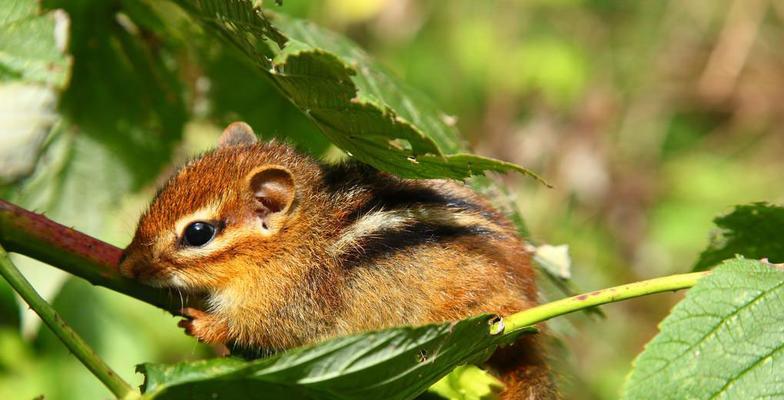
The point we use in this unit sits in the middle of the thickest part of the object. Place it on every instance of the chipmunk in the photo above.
(288, 252)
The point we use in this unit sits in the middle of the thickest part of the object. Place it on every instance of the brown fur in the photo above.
(356, 250)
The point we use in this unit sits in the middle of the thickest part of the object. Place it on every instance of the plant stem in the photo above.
(36, 236)
(535, 315)
(77, 346)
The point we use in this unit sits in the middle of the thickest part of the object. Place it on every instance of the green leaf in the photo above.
(10, 315)
(467, 382)
(753, 231)
(554, 259)
(125, 92)
(723, 341)
(356, 104)
(397, 363)
(32, 70)
(28, 117)
(235, 89)
(28, 48)
(556, 263)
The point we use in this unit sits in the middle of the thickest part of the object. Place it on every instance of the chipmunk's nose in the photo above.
(125, 265)
(123, 256)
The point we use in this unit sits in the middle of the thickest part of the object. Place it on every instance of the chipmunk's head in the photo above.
(220, 215)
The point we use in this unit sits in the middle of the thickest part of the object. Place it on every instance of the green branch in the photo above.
(533, 316)
(36, 236)
(74, 343)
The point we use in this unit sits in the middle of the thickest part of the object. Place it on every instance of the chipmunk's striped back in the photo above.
(389, 215)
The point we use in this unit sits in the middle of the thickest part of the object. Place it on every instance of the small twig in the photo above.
(36, 236)
(71, 340)
(533, 316)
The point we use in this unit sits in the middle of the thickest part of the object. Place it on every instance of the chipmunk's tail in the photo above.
(522, 367)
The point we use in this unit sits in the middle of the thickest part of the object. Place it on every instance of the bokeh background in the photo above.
(649, 118)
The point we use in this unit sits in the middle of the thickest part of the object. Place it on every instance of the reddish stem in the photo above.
(36, 236)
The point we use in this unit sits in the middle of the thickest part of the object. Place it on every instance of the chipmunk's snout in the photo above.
(122, 258)
(125, 265)
(139, 264)
(134, 265)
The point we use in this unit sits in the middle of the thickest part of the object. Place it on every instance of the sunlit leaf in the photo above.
(33, 68)
(29, 45)
(723, 341)
(554, 259)
(468, 382)
(26, 116)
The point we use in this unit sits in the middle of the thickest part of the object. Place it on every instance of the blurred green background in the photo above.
(649, 118)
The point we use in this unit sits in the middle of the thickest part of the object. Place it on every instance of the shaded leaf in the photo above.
(397, 363)
(355, 103)
(753, 231)
(723, 341)
(123, 93)
(239, 91)
(10, 316)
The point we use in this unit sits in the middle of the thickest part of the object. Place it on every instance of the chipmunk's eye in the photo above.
(198, 234)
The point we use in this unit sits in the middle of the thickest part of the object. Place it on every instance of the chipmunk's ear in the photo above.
(237, 134)
(273, 190)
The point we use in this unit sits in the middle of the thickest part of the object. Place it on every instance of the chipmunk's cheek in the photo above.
(177, 281)
(152, 275)
(164, 278)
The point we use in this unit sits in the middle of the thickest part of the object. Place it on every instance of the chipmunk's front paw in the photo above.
(203, 326)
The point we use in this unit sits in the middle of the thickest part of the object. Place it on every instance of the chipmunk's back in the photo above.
(441, 251)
